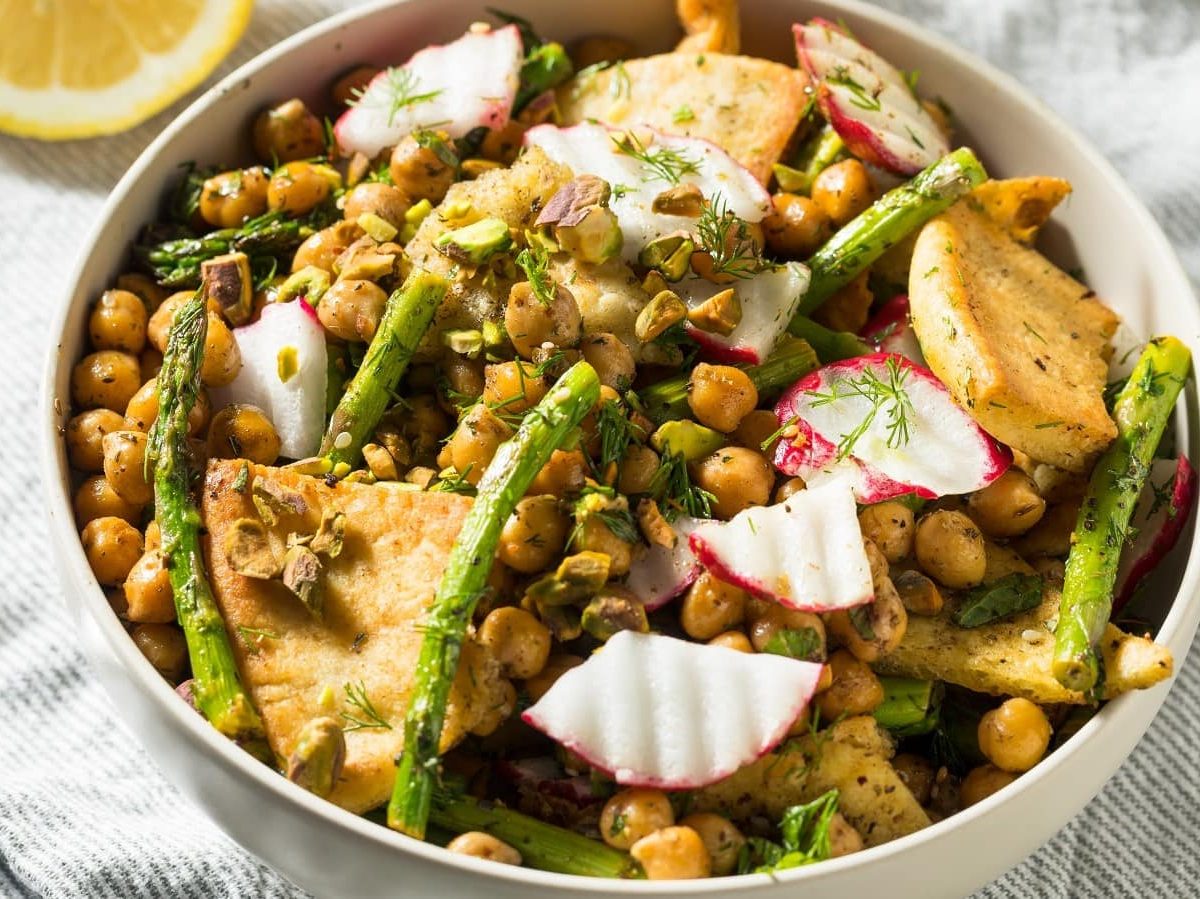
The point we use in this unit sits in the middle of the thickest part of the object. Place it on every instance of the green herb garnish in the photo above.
(887, 395)
(663, 163)
(366, 715)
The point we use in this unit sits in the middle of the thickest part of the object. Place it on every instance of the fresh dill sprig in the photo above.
(726, 238)
(534, 260)
(673, 490)
(252, 637)
(401, 92)
(663, 163)
(356, 696)
(618, 519)
(859, 96)
(887, 396)
(616, 431)
(452, 480)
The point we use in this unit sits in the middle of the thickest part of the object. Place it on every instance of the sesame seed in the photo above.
(342, 440)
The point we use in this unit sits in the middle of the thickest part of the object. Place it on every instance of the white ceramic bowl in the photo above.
(333, 853)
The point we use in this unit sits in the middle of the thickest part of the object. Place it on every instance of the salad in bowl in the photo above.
(638, 467)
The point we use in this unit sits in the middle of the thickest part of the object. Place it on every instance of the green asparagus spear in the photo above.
(1141, 412)
(909, 707)
(818, 154)
(405, 319)
(666, 400)
(887, 221)
(831, 346)
(541, 845)
(543, 430)
(215, 684)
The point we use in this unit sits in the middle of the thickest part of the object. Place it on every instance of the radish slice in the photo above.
(868, 102)
(769, 300)
(890, 330)
(545, 777)
(286, 336)
(805, 553)
(943, 451)
(456, 87)
(590, 149)
(655, 711)
(662, 574)
(1161, 513)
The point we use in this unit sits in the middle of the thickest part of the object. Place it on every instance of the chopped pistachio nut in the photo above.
(654, 283)
(341, 469)
(789, 179)
(476, 244)
(570, 202)
(379, 229)
(272, 499)
(663, 311)
(330, 535)
(229, 283)
(583, 224)
(313, 466)
(301, 575)
(380, 462)
(362, 263)
(561, 620)
(682, 199)
(287, 363)
(420, 475)
(248, 550)
(464, 342)
(686, 438)
(719, 314)
(413, 218)
(616, 609)
(494, 336)
(655, 528)
(577, 578)
(670, 255)
(309, 282)
(317, 757)
(473, 168)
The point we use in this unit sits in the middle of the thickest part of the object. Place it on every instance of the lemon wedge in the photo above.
(81, 68)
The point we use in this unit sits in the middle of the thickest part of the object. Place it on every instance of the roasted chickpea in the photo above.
(843, 838)
(593, 535)
(142, 410)
(556, 666)
(351, 84)
(230, 198)
(768, 619)
(287, 132)
(534, 534)
(531, 324)
(143, 287)
(1015, 736)
(96, 498)
(849, 308)
(1052, 535)
(563, 474)
(148, 595)
(85, 437)
(425, 425)
(498, 708)
(710, 607)
(112, 546)
(222, 358)
(842, 190)
(919, 594)
(789, 488)
(720, 396)
(738, 477)
(483, 845)
(125, 466)
(637, 468)
(950, 549)
(105, 380)
(465, 376)
(153, 535)
(298, 187)
(877, 628)
(889, 525)
(352, 309)
(387, 202)
(518, 641)
(918, 774)
(796, 226)
(474, 442)
(322, 249)
(150, 363)
(982, 782)
(721, 838)
(855, 689)
(118, 322)
(755, 429)
(241, 431)
(164, 648)
(672, 853)
(1008, 506)
(419, 171)
(158, 328)
(735, 640)
(634, 813)
(513, 387)
(611, 358)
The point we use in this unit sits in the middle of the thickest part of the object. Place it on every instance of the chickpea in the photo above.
(1015, 736)
(352, 309)
(298, 187)
(738, 477)
(1052, 535)
(241, 431)
(982, 782)
(425, 425)
(125, 466)
(710, 607)
(721, 838)
(153, 535)
(351, 84)
(556, 666)
(144, 288)
(855, 689)
(735, 640)
(673, 853)
(288, 132)
(842, 190)
(593, 535)
(164, 648)
(142, 410)
(563, 474)
(843, 838)
(637, 468)
(158, 328)
(465, 376)
(767, 619)
(513, 387)
(875, 629)
(796, 226)
(950, 549)
(1007, 507)
(420, 172)
(475, 441)
(387, 202)
(118, 322)
(222, 358)
(789, 488)
(919, 594)
(230, 198)
(112, 546)
(612, 360)
(849, 308)
(85, 437)
(720, 396)
(150, 363)
(531, 324)
(755, 429)
(918, 774)
(105, 380)
(519, 642)
(634, 813)
(534, 534)
(483, 845)
(322, 249)
(499, 708)
(148, 595)
(96, 498)
(889, 525)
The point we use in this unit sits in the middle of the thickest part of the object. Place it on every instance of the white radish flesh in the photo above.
(663, 573)
(890, 330)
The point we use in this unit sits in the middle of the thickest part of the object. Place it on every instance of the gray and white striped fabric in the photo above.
(83, 810)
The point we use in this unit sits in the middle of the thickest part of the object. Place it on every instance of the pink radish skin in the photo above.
(805, 553)
(654, 711)
(867, 101)
(946, 453)
(661, 574)
(890, 330)
(475, 77)
(1158, 529)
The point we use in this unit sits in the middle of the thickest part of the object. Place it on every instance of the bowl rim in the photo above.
(1176, 630)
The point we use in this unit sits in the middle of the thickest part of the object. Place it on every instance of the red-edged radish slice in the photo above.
(769, 300)
(590, 149)
(655, 711)
(868, 102)
(805, 553)
(890, 330)
(1159, 518)
(455, 87)
(661, 574)
(899, 427)
(283, 373)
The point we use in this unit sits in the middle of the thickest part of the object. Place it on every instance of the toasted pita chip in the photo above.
(1021, 205)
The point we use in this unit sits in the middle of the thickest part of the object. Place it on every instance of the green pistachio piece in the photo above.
(309, 282)
(671, 255)
(318, 756)
(477, 243)
(663, 311)
(686, 438)
(682, 199)
(719, 314)
(464, 342)
(616, 609)
(248, 550)
(576, 579)
(301, 575)
(229, 283)
(596, 237)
